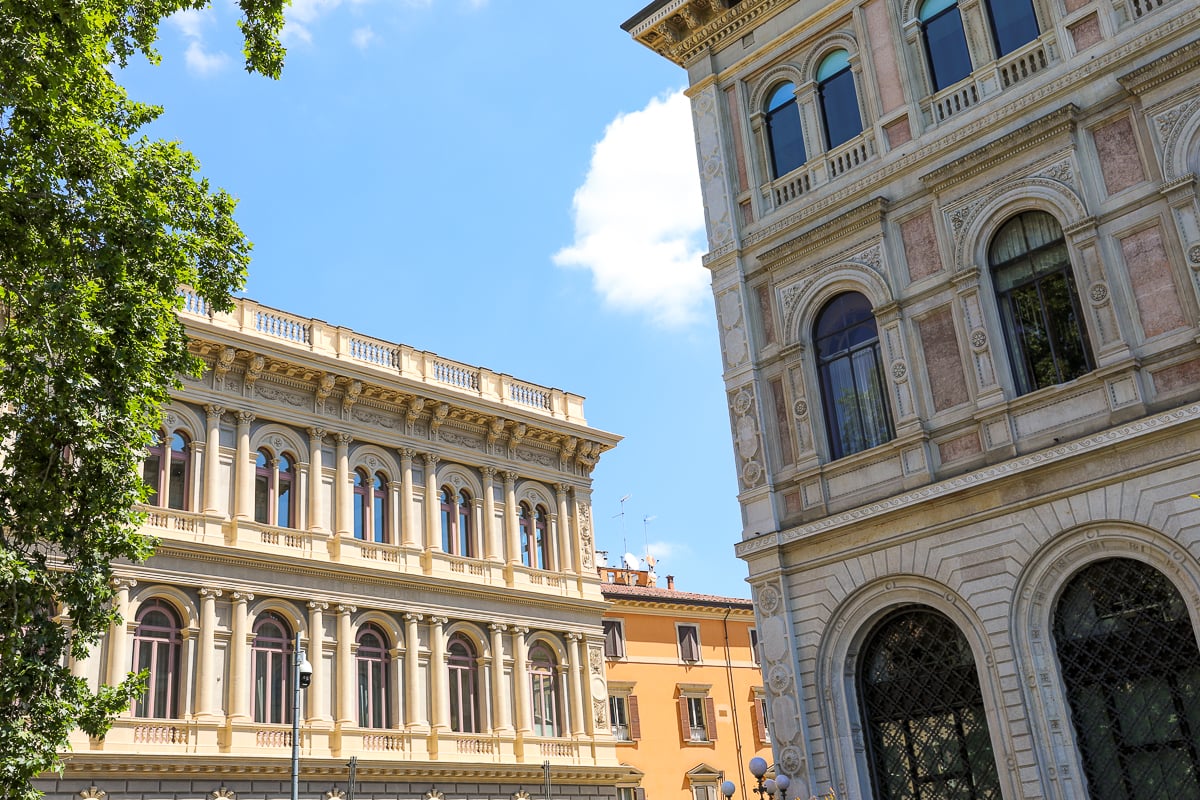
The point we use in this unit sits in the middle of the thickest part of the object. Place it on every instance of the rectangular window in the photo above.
(689, 642)
(754, 645)
(761, 723)
(704, 792)
(614, 639)
(697, 717)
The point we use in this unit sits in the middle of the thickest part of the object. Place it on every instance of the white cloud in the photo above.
(201, 62)
(639, 218)
(192, 23)
(363, 37)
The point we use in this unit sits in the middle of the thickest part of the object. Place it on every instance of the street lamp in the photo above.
(766, 788)
(301, 678)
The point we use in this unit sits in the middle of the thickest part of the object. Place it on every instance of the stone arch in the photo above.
(802, 302)
(535, 493)
(290, 610)
(175, 597)
(460, 477)
(839, 40)
(279, 439)
(836, 672)
(1035, 595)
(1179, 131)
(373, 458)
(178, 417)
(974, 226)
(554, 643)
(473, 633)
(393, 632)
(766, 84)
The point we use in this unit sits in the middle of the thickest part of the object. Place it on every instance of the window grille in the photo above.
(1131, 669)
(923, 711)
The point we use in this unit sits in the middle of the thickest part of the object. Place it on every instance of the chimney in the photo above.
(671, 582)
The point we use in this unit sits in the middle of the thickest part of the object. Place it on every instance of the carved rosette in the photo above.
(746, 439)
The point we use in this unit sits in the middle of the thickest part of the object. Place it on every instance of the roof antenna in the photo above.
(646, 538)
(624, 542)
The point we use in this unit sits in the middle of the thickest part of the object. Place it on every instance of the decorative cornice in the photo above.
(940, 491)
(1161, 70)
(869, 214)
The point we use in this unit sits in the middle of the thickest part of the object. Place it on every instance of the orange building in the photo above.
(686, 701)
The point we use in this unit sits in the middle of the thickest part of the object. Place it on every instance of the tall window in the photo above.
(1013, 24)
(1039, 307)
(525, 529)
(1132, 671)
(623, 716)
(166, 471)
(457, 530)
(274, 495)
(271, 657)
(362, 505)
(541, 543)
(370, 507)
(543, 685)
(465, 534)
(785, 137)
(374, 689)
(697, 717)
(464, 685)
(689, 642)
(851, 375)
(379, 508)
(614, 638)
(945, 42)
(923, 711)
(156, 644)
(838, 98)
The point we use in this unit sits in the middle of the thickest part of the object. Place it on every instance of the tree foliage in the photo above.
(99, 227)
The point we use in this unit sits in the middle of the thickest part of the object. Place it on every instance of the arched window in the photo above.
(447, 498)
(1131, 669)
(166, 472)
(927, 734)
(466, 542)
(541, 538)
(380, 521)
(156, 644)
(525, 527)
(945, 42)
(1014, 24)
(1039, 307)
(274, 490)
(464, 685)
(374, 689)
(362, 505)
(839, 99)
(271, 659)
(785, 137)
(851, 375)
(543, 691)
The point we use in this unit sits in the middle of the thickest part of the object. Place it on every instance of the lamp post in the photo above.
(301, 678)
(765, 788)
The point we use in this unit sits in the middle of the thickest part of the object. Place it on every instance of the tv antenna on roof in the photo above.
(646, 535)
(624, 543)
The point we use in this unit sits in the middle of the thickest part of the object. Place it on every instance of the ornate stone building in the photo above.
(423, 525)
(955, 251)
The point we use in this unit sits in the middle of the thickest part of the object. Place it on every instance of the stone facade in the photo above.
(422, 526)
(979, 309)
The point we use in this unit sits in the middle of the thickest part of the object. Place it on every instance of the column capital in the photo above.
(573, 637)
(122, 584)
(343, 439)
(510, 478)
(345, 609)
(317, 605)
(316, 433)
(206, 592)
(212, 411)
(435, 620)
(519, 630)
(407, 453)
(496, 627)
(245, 417)
(412, 616)
(241, 597)
(432, 459)
(488, 472)
(561, 490)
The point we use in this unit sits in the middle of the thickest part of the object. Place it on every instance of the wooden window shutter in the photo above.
(710, 719)
(635, 724)
(760, 719)
(685, 724)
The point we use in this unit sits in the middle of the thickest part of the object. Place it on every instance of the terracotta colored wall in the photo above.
(1153, 288)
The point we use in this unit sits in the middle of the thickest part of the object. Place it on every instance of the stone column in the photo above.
(118, 633)
(412, 671)
(243, 469)
(409, 525)
(438, 684)
(206, 673)
(521, 679)
(239, 658)
(432, 506)
(316, 484)
(573, 685)
(212, 458)
(501, 721)
(491, 536)
(512, 543)
(318, 690)
(566, 543)
(343, 507)
(346, 713)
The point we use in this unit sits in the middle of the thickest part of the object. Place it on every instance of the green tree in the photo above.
(99, 227)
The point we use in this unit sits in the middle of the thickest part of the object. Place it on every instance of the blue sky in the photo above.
(509, 183)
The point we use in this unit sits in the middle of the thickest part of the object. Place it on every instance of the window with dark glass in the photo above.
(1014, 24)
(785, 137)
(1131, 668)
(850, 368)
(457, 531)
(922, 709)
(166, 471)
(156, 644)
(541, 543)
(362, 507)
(177, 472)
(614, 638)
(1039, 307)
(543, 685)
(264, 479)
(525, 531)
(464, 685)
(285, 481)
(466, 539)
(689, 642)
(272, 680)
(697, 718)
(374, 691)
(838, 99)
(379, 509)
(945, 42)
(274, 497)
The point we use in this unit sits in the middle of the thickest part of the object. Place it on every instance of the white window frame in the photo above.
(680, 627)
(619, 626)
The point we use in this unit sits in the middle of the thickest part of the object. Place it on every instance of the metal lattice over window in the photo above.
(1132, 673)
(923, 711)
